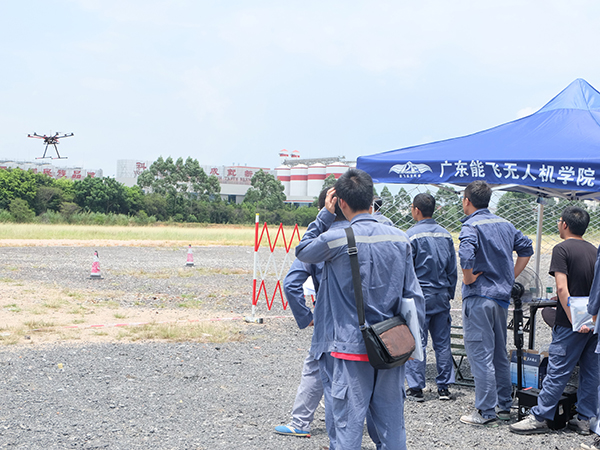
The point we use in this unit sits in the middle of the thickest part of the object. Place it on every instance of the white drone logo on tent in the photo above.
(410, 170)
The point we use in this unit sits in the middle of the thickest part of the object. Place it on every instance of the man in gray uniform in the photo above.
(486, 250)
(435, 265)
(352, 387)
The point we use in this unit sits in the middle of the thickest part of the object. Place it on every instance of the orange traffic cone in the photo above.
(190, 257)
(95, 275)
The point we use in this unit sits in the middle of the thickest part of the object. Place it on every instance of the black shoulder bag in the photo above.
(389, 343)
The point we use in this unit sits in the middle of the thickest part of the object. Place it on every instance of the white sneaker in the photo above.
(580, 426)
(475, 418)
(530, 425)
(594, 446)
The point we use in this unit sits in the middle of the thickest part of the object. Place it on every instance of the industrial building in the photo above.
(234, 180)
(302, 179)
(71, 173)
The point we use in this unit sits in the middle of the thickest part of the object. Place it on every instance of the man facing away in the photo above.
(377, 204)
(486, 246)
(351, 385)
(435, 265)
(310, 390)
(572, 265)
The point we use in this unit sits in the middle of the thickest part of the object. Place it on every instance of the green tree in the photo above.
(134, 199)
(66, 186)
(388, 205)
(266, 192)
(329, 182)
(103, 195)
(402, 204)
(155, 205)
(17, 183)
(69, 209)
(20, 210)
(448, 209)
(48, 197)
(180, 177)
(520, 209)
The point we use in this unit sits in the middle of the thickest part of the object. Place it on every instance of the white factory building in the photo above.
(72, 173)
(301, 178)
(234, 180)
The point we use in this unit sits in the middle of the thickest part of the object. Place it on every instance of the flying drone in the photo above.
(50, 140)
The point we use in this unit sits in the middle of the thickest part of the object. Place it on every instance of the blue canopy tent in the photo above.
(554, 152)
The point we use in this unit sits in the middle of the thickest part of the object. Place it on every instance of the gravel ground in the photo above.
(190, 395)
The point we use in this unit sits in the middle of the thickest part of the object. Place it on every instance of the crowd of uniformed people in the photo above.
(421, 264)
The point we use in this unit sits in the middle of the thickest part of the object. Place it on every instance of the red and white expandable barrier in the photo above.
(259, 286)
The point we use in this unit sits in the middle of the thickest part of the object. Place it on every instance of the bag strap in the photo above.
(356, 280)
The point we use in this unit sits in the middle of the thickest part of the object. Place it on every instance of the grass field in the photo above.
(190, 234)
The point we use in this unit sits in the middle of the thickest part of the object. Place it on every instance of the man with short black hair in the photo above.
(572, 266)
(486, 250)
(377, 204)
(352, 386)
(310, 390)
(435, 265)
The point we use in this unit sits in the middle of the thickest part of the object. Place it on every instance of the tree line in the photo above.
(169, 191)
(180, 191)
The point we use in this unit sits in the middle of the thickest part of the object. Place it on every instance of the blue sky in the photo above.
(235, 82)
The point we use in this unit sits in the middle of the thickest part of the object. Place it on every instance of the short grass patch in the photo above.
(176, 235)
(55, 303)
(191, 304)
(41, 325)
(200, 332)
(13, 307)
(11, 335)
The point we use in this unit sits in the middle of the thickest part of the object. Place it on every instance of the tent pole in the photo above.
(538, 259)
(538, 237)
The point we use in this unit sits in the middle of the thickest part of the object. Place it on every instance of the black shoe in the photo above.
(444, 394)
(416, 395)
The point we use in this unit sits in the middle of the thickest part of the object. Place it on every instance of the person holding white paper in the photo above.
(572, 266)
